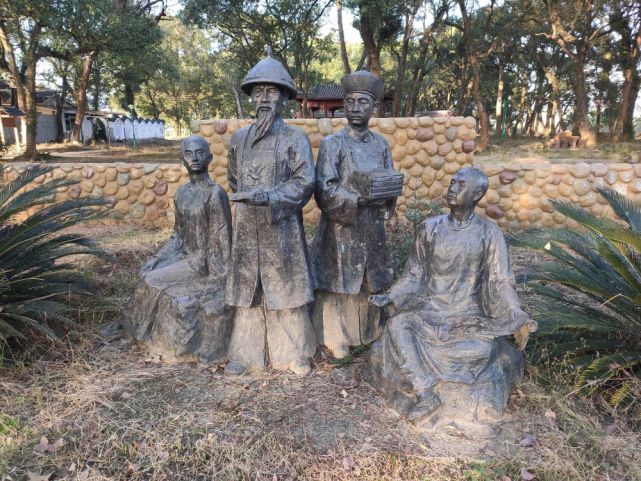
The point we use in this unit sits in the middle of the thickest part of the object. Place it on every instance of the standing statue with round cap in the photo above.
(271, 175)
(356, 190)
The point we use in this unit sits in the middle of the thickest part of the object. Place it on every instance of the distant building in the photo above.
(11, 118)
(96, 125)
(325, 100)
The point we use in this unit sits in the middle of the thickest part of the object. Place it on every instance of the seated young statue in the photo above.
(445, 355)
(178, 310)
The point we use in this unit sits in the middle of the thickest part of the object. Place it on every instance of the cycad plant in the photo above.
(38, 275)
(589, 301)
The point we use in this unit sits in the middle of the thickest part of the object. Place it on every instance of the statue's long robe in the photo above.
(178, 309)
(349, 252)
(269, 247)
(350, 246)
(456, 299)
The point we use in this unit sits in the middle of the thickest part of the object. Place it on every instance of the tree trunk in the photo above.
(341, 38)
(581, 123)
(13, 66)
(81, 97)
(60, 104)
(305, 92)
(629, 75)
(239, 105)
(556, 92)
(97, 87)
(369, 44)
(628, 124)
(549, 118)
(402, 61)
(129, 96)
(30, 62)
(499, 102)
(473, 60)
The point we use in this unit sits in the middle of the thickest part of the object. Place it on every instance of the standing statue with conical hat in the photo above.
(356, 190)
(271, 174)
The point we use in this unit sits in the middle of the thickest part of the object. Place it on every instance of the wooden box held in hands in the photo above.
(378, 184)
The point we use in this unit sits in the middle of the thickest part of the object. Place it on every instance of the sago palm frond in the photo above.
(38, 276)
(588, 295)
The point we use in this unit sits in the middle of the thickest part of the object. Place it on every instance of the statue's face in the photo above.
(359, 107)
(268, 96)
(196, 155)
(465, 189)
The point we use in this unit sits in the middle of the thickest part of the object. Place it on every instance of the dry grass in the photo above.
(121, 416)
(531, 150)
(156, 150)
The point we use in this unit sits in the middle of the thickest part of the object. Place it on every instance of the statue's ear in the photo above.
(478, 194)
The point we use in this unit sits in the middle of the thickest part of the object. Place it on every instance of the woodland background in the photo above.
(521, 67)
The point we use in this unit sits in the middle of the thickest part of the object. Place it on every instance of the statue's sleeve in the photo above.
(410, 282)
(219, 233)
(499, 297)
(390, 204)
(288, 197)
(337, 201)
(168, 254)
(232, 164)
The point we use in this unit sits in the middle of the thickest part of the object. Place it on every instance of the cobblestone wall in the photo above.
(521, 194)
(427, 150)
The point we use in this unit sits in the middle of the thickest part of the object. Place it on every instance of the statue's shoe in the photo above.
(301, 367)
(235, 368)
(427, 403)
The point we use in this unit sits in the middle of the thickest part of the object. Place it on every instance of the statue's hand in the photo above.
(380, 300)
(258, 197)
(526, 326)
(150, 265)
(371, 203)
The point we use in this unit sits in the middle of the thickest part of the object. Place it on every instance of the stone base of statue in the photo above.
(181, 319)
(344, 320)
(477, 393)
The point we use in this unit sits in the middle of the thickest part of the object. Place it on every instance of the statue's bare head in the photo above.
(466, 188)
(359, 108)
(195, 154)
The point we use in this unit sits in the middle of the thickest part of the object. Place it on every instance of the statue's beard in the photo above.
(265, 117)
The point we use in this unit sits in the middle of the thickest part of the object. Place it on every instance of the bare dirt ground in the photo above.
(156, 151)
(526, 150)
(532, 150)
(90, 410)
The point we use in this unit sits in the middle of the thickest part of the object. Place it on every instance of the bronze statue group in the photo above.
(252, 293)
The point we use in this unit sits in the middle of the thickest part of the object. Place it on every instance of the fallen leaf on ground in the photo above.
(528, 441)
(42, 446)
(344, 393)
(351, 465)
(57, 445)
(526, 475)
(83, 475)
(38, 477)
(550, 414)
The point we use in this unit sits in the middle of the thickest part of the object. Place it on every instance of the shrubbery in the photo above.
(38, 275)
(589, 296)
